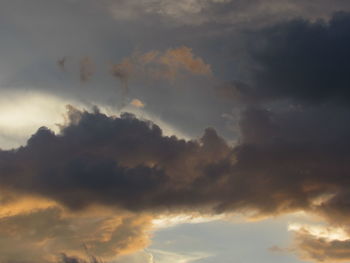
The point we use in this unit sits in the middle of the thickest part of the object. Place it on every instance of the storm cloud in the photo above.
(127, 163)
(301, 60)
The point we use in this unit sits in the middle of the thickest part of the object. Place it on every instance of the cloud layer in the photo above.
(127, 164)
(287, 112)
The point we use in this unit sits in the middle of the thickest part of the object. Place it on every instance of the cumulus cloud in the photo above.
(127, 163)
(149, 170)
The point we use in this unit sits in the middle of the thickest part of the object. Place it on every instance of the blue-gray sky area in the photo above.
(161, 131)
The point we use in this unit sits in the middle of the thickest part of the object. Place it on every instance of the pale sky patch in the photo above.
(173, 220)
(162, 256)
(21, 114)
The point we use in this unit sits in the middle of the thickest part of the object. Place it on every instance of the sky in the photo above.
(188, 131)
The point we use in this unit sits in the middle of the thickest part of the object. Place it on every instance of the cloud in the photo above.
(236, 12)
(178, 12)
(322, 244)
(87, 69)
(175, 60)
(122, 71)
(137, 103)
(156, 65)
(127, 163)
(124, 163)
(301, 60)
(289, 156)
(139, 159)
(42, 234)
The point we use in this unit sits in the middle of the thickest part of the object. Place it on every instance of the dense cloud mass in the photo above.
(128, 163)
(120, 161)
(301, 60)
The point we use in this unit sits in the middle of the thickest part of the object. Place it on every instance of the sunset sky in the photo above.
(163, 131)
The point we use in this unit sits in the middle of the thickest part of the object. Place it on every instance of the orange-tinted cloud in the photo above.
(157, 65)
(137, 103)
(42, 234)
(322, 244)
(177, 60)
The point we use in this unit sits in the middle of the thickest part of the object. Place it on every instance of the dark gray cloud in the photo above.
(126, 159)
(301, 60)
(297, 132)
(126, 162)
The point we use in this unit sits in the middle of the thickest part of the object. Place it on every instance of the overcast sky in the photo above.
(166, 131)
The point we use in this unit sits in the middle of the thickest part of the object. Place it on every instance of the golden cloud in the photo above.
(43, 234)
(157, 65)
